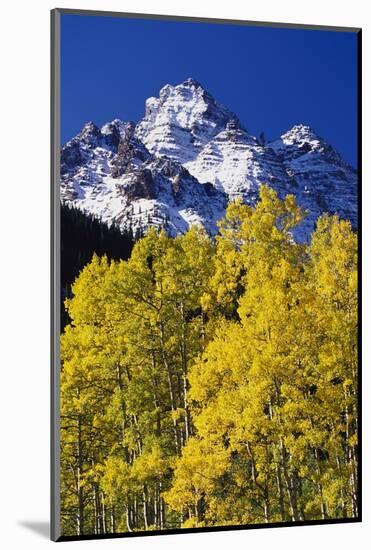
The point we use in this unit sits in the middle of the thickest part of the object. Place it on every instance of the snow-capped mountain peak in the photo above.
(323, 181)
(299, 133)
(302, 139)
(299, 136)
(89, 133)
(181, 121)
(188, 155)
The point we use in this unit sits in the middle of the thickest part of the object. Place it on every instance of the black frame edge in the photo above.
(195, 530)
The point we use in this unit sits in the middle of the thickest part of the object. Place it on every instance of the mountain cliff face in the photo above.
(188, 157)
(110, 173)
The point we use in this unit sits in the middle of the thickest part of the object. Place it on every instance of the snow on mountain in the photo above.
(119, 181)
(189, 155)
(323, 181)
(235, 162)
(181, 121)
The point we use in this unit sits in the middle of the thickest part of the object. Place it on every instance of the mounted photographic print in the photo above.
(205, 305)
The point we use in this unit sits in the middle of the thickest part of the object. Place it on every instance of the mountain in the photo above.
(110, 173)
(188, 157)
(323, 181)
(236, 163)
(181, 121)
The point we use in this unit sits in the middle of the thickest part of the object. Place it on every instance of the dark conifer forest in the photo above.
(82, 235)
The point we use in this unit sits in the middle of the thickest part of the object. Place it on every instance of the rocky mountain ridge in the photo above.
(188, 157)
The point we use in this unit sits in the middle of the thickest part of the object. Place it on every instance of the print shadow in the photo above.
(41, 528)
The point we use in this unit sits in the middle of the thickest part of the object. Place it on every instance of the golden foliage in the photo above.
(212, 383)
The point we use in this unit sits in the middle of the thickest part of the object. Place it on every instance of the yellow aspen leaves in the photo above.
(213, 381)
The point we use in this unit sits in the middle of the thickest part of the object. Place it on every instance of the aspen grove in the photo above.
(211, 382)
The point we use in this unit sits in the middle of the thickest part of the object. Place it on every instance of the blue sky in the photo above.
(271, 78)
